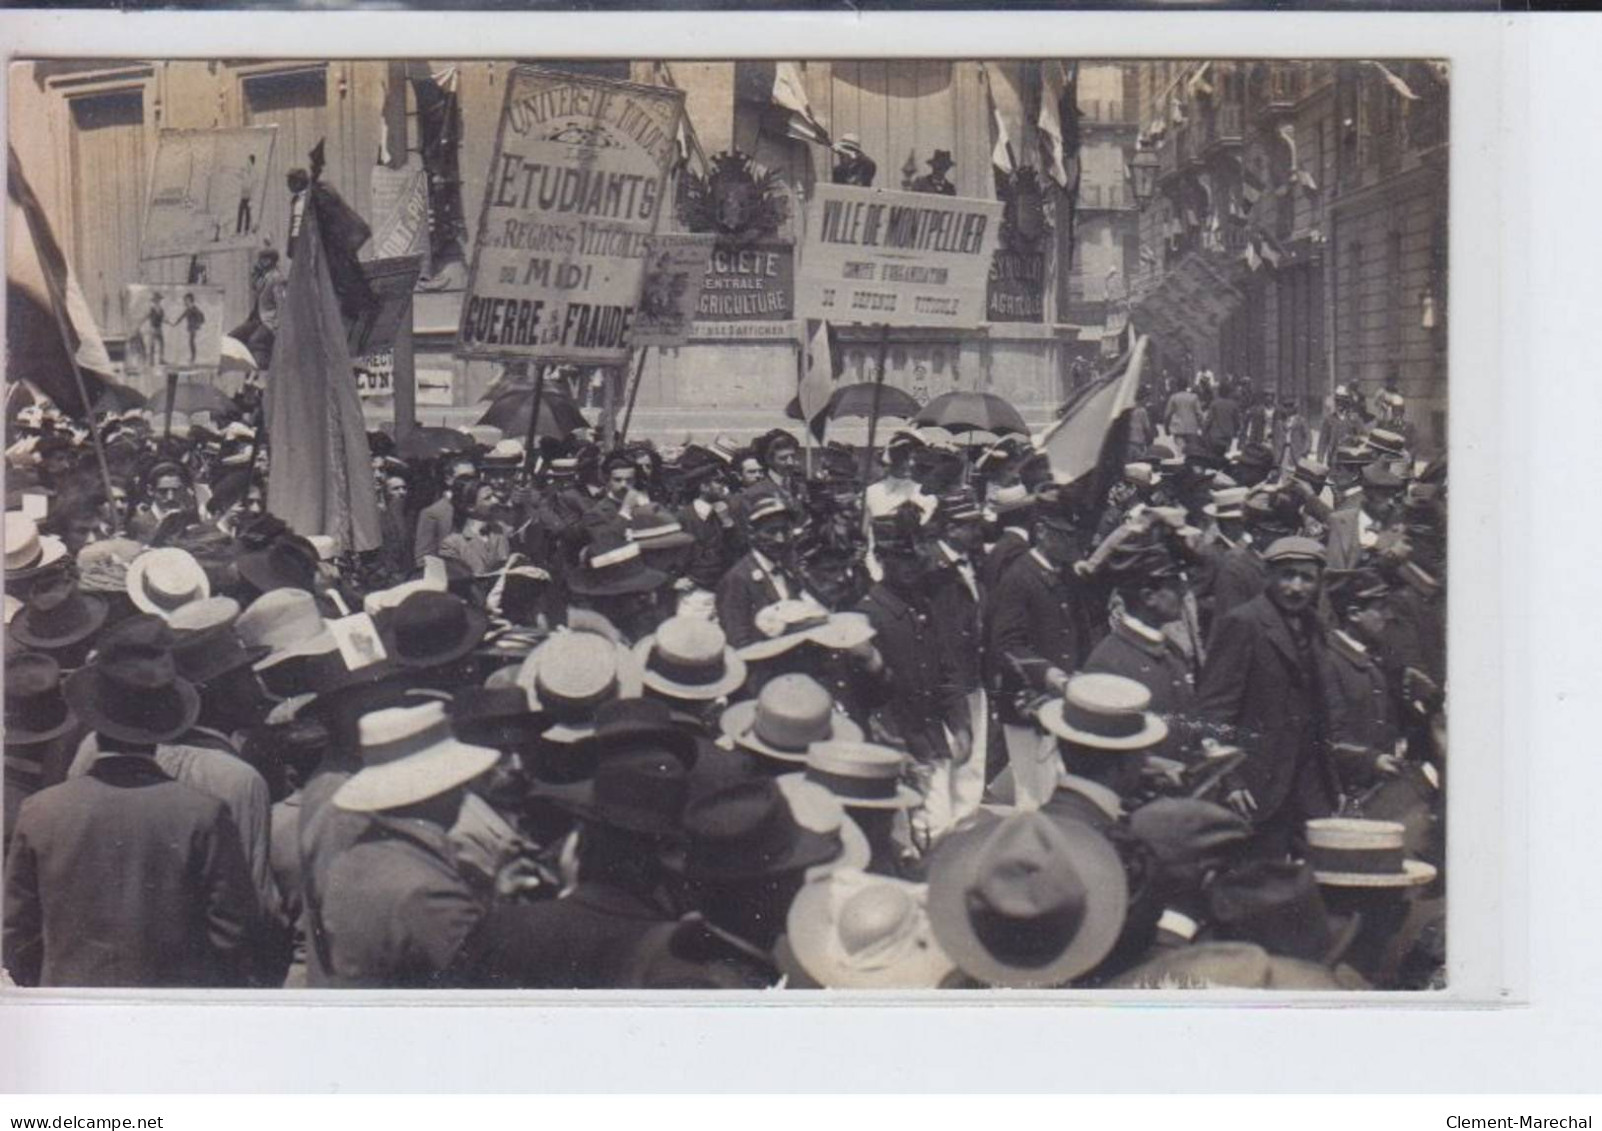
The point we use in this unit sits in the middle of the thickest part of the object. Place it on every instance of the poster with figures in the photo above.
(206, 191)
(172, 326)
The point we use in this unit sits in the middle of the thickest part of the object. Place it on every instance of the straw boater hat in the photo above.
(162, 581)
(786, 624)
(410, 754)
(1348, 852)
(612, 566)
(35, 711)
(656, 528)
(690, 658)
(58, 616)
(27, 551)
(571, 675)
(1104, 712)
(860, 775)
(1026, 901)
(285, 622)
(790, 713)
(132, 691)
(855, 931)
(1228, 502)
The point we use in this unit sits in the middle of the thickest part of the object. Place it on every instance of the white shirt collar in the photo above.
(702, 508)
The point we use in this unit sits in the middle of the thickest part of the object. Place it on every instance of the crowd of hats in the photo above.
(731, 764)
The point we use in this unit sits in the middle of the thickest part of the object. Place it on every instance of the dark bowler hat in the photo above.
(207, 654)
(430, 628)
(747, 832)
(637, 791)
(498, 717)
(132, 691)
(622, 726)
(941, 161)
(282, 565)
(1276, 904)
(58, 616)
(612, 566)
(35, 710)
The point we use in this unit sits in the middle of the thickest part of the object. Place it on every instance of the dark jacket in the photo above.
(1237, 574)
(1265, 694)
(1161, 668)
(124, 877)
(397, 910)
(1038, 621)
(584, 940)
(926, 695)
(1362, 708)
(710, 558)
(958, 625)
(1007, 549)
(745, 590)
(433, 524)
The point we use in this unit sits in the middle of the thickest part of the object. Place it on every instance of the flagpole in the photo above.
(534, 415)
(57, 308)
(873, 417)
(634, 392)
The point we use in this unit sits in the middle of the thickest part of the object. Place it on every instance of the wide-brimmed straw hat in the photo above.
(854, 931)
(35, 710)
(1104, 712)
(410, 754)
(860, 775)
(1349, 852)
(789, 714)
(57, 615)
(27, 551)
(163, 580)
(1026, 901)
(690, 658)
(787, 624)
(132, 691)
(571, 675)
(285, 622)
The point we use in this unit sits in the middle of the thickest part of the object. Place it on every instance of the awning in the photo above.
(1190, 302)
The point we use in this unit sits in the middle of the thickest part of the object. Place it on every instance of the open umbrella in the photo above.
(857, 400)
(559, 416)
(433, 442)
(237, 358)
(965, 412)
(118, 399)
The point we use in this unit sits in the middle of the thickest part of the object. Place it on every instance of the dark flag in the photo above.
(321, 480)
(48, 323)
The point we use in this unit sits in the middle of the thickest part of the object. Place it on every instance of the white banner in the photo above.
(573, 194)
(896, 258)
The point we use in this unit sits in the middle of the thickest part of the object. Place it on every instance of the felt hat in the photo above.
(572, 674)
(1378, 477)
(132, 691)
(410, 754)
(498, 717)
(621, 726)
(785, 624)
(852, 930)
(941, 161)
(285, 622)
(57, 615)
(1314, 471)
(1295, 549)
(284, 564)
(163, 580)
(35, 710)
(1104, 712)
(1026, 901)
(690, 658)
(636, 791)
(611, 566)
(656, 528)
(747, 832)
(818, 810)
(791, 712)
(27, 551)
(1276, 904)
(1179, 831)
(1350, 852)
(861, 775)
(205, 644)
(429, 629)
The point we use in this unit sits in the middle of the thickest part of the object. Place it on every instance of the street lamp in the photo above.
(1143, 175)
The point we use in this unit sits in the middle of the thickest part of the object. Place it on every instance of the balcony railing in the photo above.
(1226, 126)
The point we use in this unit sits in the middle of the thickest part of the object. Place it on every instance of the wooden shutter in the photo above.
(108, 164)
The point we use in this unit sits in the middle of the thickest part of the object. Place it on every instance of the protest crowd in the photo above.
(732, 715)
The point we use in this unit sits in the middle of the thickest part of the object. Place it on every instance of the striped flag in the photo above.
(1007, 109)
(48, 323)
(1074, 445)
(817, 376)
(790, 95)
(321, 481)
(1054, 88)
(1393, 80)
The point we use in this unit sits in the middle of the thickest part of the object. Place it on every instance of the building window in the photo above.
(108, 195)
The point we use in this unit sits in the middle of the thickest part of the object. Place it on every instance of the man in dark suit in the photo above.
(764, 575)
(124, 877)
(1265, 689)
(1041, 629)
(1013, 507)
